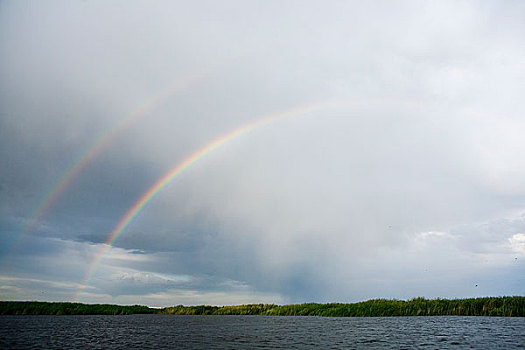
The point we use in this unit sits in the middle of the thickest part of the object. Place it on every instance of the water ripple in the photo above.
(259, 332)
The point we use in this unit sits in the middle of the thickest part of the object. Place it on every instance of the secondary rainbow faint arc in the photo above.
(143, 200)
(101, 143)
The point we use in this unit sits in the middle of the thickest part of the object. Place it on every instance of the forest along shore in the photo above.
(512, 306)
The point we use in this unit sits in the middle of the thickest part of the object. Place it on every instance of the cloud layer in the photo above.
(411, 184)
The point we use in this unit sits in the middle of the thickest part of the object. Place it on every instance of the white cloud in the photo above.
(517, 242)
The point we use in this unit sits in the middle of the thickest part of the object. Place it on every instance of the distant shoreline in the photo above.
(509, 306)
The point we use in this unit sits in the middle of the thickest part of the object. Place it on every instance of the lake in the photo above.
(260, 332)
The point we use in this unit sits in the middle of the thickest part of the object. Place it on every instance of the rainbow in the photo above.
(145, 198)
(178, 169)
(101, 143)
(192, 159)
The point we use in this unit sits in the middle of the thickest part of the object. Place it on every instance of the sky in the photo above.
(303, 151)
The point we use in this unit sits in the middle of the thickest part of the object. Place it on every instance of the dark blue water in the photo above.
(260, 332)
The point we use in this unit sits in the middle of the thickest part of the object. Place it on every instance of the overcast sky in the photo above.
(407, 180)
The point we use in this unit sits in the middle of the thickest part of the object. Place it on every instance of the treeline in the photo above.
(489, 306)
(45, 308)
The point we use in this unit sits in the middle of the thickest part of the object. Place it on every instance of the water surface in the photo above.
(260, 332)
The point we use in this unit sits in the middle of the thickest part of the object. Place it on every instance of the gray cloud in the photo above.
(411, 185)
